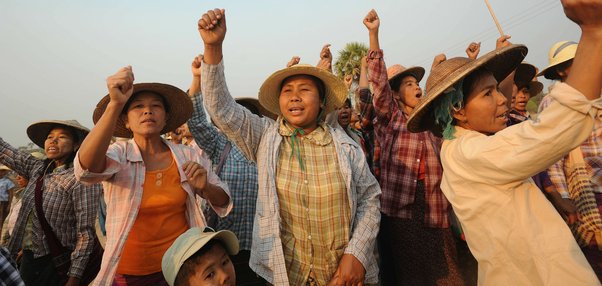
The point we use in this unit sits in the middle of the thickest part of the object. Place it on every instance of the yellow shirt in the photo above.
(313, 206)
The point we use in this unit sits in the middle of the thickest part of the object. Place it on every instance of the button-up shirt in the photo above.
(238, 172)
(315, 225)
(402, 152)
(69, 206)
(123, 179)
(591, 149)
(513, 231)
(259, 140)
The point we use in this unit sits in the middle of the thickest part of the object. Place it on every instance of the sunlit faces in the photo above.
(344, 114)
(214, 269)
(59, 144)
(409, 91)
(485, 108)
(300, 101)
(521, 99)
(146, 114)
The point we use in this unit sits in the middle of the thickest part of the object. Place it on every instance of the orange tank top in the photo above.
(161, 219)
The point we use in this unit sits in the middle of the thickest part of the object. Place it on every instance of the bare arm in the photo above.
(94, 148)
(195, 85)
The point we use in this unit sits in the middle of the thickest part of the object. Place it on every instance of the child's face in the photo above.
(216, 269)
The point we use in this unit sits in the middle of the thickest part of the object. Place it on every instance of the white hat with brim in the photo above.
(559, 53)
(188, 243)
(335, 89)
(37, 132)
(4, 168)
(500, 63)
(179, 105)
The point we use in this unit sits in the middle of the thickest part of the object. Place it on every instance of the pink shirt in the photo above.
(122, 181)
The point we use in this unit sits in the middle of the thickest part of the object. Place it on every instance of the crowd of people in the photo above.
(320, 181)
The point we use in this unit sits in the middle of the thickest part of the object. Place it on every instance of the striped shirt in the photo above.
(401, 153)
(259, 140)
(238, 172)
(69, 206)
(315, 224)
(123, 179)
(592, 155)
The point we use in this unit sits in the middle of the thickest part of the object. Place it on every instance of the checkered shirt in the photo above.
(238, 172)
(401, 152)
(259, 140)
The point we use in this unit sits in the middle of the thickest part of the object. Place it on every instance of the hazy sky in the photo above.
(55, 55)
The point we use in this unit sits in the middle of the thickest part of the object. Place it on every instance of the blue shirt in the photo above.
(238, 172)
(5, 185)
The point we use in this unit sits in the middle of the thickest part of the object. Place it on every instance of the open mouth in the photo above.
(51, 149)
(295, 110)
(148, 121)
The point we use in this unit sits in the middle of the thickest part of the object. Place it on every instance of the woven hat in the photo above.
(500, 63)
(397, 71)
(559, 53)
(37, 132)
(335, 89)
(523, 77)
(178, 106)
(188, 243)
(250, 101)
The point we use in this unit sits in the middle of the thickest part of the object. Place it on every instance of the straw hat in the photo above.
(178, 106)
(500, 62)
(37, 132)
(396, 71)
(250, 101)
(335, 89)
(524, 77)
(188, 243)
(559, 53)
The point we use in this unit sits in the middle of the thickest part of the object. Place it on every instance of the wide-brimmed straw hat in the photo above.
(37, 132)
(559, 53)
(189, 243)
(500, 63)
(524, 76)
(335, 89)
(178, 106)
(397, 71)
(250, 101)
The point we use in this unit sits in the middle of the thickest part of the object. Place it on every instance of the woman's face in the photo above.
(146, 115)
(300, 102)
(345, 114)
(59, 145)
(485, 109)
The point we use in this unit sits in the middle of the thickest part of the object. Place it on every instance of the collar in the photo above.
(320, 136)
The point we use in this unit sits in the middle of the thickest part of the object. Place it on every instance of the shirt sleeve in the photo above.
(205, 134)
(21, 162)
(213, 179)
(85, 201)
(382, 96)
(240, 125)
(523, 150)
(113, 161)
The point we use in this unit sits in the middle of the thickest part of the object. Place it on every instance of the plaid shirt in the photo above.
(70, 209)
(9, 275)
(238, 172)
(315, 225)
(259, 140)
(592, 155)
(401, 152)
(123, 179)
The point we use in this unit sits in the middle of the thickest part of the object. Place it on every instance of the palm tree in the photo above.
(349, 60)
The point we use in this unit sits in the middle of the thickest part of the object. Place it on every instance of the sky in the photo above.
(56, 55)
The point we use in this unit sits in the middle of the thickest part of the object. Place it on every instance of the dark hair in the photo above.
(188, 268)
(471, 80)
(129, 102)
(561, 67)
(395, 83)
(49, 164)
(318, 82)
